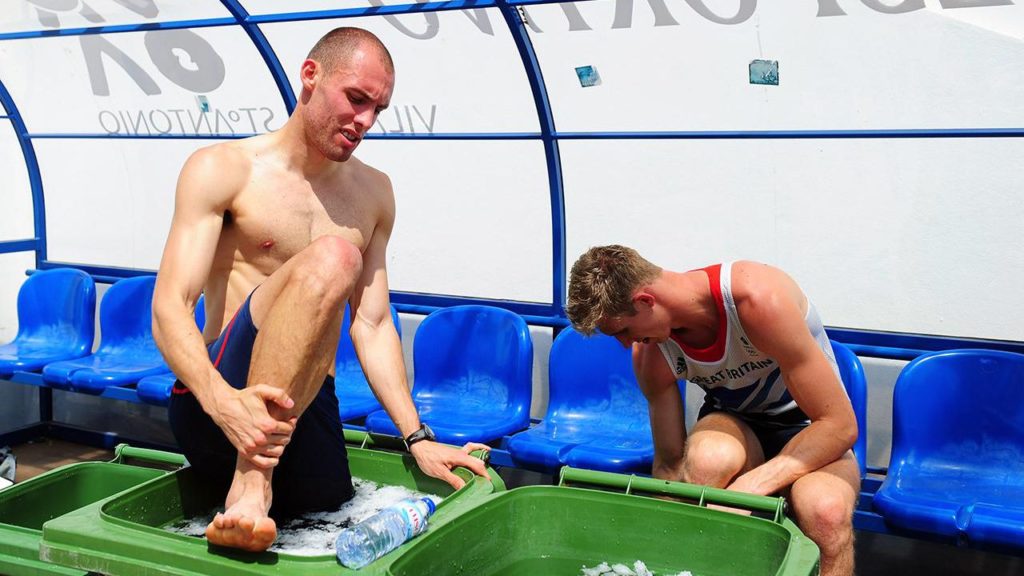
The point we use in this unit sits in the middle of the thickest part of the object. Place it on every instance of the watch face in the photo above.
(424, 433)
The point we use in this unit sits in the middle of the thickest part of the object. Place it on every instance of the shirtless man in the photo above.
(278, 231)
(776, 417)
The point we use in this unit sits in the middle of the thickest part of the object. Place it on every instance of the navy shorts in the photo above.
(312, 475)
(773, 432)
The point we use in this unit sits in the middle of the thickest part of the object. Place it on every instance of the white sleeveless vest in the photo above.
(737, 376)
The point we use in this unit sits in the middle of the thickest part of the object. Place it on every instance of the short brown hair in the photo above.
(337, 46)
(602, 283)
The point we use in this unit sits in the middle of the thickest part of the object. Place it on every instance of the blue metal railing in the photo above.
(117, 28)
(32, 166)
(265, 50)
(8, 246)
(551, 154)
(392, 9)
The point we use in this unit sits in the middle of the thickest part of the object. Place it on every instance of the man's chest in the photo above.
(279, 222)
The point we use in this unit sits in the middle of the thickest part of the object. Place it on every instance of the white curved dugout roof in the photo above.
(882, 171)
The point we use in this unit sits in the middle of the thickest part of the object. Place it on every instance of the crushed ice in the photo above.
(638, 569)
(313, 534)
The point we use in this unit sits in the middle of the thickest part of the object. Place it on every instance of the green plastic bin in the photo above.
(26, 506)
(556, 530)
(126, 536)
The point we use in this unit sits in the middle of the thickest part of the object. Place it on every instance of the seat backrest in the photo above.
(346, 360)
(962, 411)
(58, 303)
(477, 356)
(126, 314)
(200, 313)
(592, 378)
(852, 373)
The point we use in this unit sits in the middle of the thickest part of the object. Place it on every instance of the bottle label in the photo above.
(414, 518)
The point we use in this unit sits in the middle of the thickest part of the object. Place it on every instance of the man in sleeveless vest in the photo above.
(776, 418)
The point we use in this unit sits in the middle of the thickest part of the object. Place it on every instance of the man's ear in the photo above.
(644, 298)
(309, 73)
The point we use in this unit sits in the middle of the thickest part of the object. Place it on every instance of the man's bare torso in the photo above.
(277, 213)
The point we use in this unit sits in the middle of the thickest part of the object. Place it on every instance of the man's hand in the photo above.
(437, 460)
(247, 423)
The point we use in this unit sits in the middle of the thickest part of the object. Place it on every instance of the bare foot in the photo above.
(243, 526)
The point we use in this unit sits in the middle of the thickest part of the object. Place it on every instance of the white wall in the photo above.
(918, 235)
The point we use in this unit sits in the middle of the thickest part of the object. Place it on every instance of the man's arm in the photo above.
(772, 310)
(380, 353)
(207, 183)
(665, 405)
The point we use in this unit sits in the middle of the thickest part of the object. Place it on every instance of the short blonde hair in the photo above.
(602, 282)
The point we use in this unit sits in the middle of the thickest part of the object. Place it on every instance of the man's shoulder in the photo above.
(369, 175)
(215, 174)
(371, 184)
(751, 280)
(221, 159)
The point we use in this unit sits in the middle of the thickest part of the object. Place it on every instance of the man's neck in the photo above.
(298, 153)
(691, 305)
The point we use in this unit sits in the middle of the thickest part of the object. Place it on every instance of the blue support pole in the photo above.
(554, 162)
(369, 136)
(32, 166)
(117, 28)
(8, 246)
(798, 134)
(265, 50)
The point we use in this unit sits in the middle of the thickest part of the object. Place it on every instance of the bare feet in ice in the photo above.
(242, 526)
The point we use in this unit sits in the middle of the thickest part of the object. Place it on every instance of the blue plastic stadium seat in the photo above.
(355, 398)
(127, 352)
(157, 389)
(473, 368)
(957, 464)
(56, 321)
(852, 373)
(597, 417)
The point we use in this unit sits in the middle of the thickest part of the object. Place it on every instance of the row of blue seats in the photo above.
(473, 367)
(957, 466)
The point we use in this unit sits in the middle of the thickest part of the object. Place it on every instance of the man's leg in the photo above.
(720, 448)
(298, 312)
(823, 503)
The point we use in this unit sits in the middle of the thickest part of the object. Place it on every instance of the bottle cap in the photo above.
(430, 505)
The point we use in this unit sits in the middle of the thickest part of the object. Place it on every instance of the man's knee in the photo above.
(329, 267)
(826, 517)
(713, 461)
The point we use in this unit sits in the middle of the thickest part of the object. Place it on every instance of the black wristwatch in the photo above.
(424, 433)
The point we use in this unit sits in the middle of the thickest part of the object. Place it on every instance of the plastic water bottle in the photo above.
(381, 533)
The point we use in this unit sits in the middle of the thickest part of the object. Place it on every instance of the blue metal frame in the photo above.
(83, 136)
(98, 271)
(118, 28)
(9, 246)
(32, 166)
(682, 135)
(265, 50)
(902, 346)
(798, 134)
(238, 18)
(238, 136)
(551, 153)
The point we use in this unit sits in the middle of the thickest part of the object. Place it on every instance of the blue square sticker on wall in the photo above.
(764, 72)
(588, 76)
